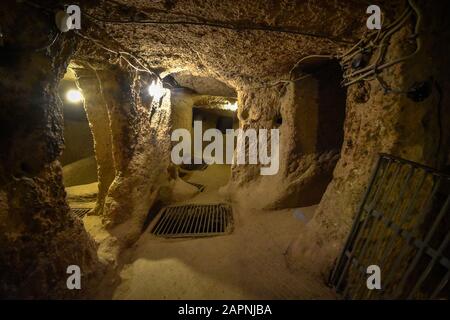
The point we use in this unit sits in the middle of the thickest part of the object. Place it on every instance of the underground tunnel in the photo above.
(250, 150)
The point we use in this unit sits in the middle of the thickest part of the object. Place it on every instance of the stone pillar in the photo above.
(141, 129)
(39, 237)
(96, 85)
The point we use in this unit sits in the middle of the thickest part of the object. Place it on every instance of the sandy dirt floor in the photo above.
(246, 264)
(82, 196)
(80, 180)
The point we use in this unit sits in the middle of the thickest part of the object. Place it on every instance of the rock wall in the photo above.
(134, 165)
(78, 141)
(132, 143)
(39, 237)
(94, 84)
(309, 115)
(383, 122)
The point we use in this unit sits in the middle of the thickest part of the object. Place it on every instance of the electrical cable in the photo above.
(386, 88)
(382, 51)
(363, 74)
(346, 57)
(121, 55)
(375, 68)
(221, 25)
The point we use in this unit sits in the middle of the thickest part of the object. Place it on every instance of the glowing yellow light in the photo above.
(156, 90)
(74, 96)
(231, 106)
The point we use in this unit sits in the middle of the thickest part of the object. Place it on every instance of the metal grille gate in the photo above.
(403, 226)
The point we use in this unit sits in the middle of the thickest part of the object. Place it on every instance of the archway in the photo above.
(78, 158)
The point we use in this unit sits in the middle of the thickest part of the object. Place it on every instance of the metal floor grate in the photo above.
(194, 220)
(403, 228)
(199, 186)
(80, 212)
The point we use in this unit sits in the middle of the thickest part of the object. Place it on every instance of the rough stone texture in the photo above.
(234, 56)
(309, 115)
(182, 104)
(80, 172)
(39, 238)
(390, 123)
(250, 61)
(78, 142)
(204, 85)
(93, 84)
(132, 144)
(141, 150)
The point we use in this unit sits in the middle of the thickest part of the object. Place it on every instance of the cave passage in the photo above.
(78, 162)
(116, 166)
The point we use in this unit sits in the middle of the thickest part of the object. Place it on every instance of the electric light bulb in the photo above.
(156, 90)
(74, 96)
